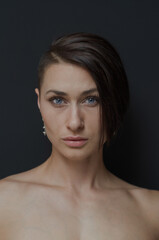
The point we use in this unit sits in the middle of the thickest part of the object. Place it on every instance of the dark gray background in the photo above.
(26, 30)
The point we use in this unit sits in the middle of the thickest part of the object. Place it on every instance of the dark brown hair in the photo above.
(101, 60)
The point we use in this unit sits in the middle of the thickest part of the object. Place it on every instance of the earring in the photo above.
(44, 132)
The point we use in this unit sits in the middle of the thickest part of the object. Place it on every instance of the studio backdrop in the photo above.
(27, 28)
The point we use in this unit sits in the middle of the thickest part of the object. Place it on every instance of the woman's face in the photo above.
(69, 105)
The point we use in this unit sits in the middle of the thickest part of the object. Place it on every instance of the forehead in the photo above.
(67, 77)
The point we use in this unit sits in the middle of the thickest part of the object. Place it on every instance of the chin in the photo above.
(76, 154)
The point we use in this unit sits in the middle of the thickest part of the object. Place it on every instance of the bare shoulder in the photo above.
(9, 190)
(7, 197)
(11, 200)
(148, 200)
(145, 199)
(17, 187)
(12, 190)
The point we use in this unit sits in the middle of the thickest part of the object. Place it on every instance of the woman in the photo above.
(83, 96)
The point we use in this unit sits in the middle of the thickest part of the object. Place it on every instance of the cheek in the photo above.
(92, 121)
(50, 117)
(52, 121)
(53, 124)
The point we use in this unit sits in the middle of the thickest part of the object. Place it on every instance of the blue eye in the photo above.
(92, 100)
(57, 100)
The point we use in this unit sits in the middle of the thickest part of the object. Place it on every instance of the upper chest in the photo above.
(46, 215)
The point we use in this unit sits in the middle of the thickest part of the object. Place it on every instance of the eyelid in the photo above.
(92, 96)
(62, 98)
(56, 97)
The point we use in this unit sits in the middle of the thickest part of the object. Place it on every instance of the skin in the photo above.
(72, 195)
(81, 169)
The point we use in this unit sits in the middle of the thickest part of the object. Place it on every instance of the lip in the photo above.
(74, 138)
(75, 141)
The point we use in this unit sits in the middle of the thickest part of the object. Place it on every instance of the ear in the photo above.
(37, 92)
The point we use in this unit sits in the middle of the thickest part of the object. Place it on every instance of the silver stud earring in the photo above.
(44, 131)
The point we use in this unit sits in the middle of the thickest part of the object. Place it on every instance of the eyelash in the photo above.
(61, 98)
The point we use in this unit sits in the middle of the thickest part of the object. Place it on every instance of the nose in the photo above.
(75, 120)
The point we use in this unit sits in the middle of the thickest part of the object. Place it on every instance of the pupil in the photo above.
(58, 100)
(91, 99)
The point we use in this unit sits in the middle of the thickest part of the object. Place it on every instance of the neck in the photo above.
(75, 174)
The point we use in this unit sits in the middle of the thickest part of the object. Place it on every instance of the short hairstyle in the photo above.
(96, 55)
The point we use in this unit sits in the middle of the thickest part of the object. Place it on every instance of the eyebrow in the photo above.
(60, 93)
